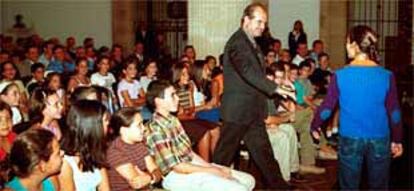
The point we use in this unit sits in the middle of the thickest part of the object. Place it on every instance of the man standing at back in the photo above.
(246, 88)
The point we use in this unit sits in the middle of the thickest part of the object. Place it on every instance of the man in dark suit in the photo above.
(243, 106)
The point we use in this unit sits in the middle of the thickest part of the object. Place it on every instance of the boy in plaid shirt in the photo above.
(169, 144)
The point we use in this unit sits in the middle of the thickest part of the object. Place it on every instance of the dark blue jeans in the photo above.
(352, 153)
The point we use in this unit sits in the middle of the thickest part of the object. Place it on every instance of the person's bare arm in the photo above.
(104, 184)
(129, 102)
(136, 178)
(65, 178)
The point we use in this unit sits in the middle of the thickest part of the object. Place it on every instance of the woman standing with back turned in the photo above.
(370, 115)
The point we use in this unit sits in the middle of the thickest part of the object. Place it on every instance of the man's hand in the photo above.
(396, 149)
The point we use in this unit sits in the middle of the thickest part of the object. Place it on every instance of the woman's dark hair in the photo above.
(85, 136)
(323, 54)
(101, 58)
(305, 63)
(2, 65)
(78, 61)
(49, 77)
(156, 89)
(122, 118)
(197, 72)
(210, 57)
(301, 30)
(38, 103)
(29, 148)
(216, 71)
(36, 66)
(367, 41)
(57, 47)
(293, 66)
(81, 93)
(130, 60)
(189, 47)
(177, 71)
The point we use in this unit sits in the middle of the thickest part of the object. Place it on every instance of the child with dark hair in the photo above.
(53, 82)
(303, 86)
(171, 147)
(35, 158)
(150, 74)
(103, 77)
(46, 109)
(6, 135)
(84, 143)
(130, 91)
(132, 167)
(38, 73)
(80, 77)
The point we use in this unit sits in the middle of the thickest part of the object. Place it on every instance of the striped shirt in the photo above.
(184, 95)
(120, 153)
(168, 142)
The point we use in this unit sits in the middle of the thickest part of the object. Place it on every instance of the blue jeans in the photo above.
(352, 153)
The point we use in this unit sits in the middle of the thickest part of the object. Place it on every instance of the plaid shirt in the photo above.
(167, 142)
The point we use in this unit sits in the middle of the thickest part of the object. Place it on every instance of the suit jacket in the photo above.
(245, 84)
(293, 43)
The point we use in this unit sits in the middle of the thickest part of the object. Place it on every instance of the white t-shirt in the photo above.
(132, 88)
(103, 81)
(145, 81)
(84, 181)
(297, 60)
(16, 115)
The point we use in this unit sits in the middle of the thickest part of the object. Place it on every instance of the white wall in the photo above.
(283, 13)
(211, 22)
(62, 18)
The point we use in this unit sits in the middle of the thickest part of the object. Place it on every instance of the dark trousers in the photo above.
(258, 145)
(352, 153)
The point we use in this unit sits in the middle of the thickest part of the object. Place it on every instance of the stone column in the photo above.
(333, 28)
(124, 21)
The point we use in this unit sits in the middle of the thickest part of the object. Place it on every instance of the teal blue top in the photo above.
(16, 185)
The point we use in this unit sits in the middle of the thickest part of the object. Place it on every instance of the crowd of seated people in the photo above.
(68, 93)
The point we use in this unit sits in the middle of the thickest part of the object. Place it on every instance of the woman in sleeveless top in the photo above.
(84, 143)
(80, 78)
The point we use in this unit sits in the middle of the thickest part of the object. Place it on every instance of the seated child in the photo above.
(171, 147)
(131, 166)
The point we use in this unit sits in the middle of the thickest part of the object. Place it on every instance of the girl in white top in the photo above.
(150, 74)
(130, 91)
(84, 143)
(10, 94)
(80, 78)
(103, 77)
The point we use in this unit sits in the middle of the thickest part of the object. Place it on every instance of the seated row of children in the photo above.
(100, 151)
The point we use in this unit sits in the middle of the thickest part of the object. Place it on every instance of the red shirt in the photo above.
(10, 138)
